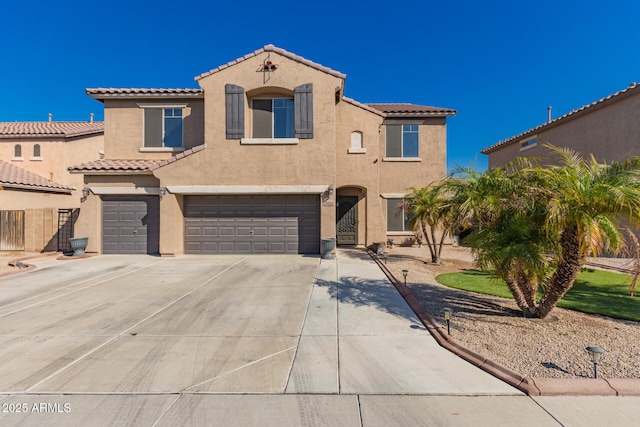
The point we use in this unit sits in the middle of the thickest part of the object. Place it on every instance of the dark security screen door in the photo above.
(347, 216)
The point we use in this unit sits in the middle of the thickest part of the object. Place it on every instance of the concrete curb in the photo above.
(526, 384)
(25, 266)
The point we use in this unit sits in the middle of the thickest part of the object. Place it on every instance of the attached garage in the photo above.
(248, 224)
(130, 225)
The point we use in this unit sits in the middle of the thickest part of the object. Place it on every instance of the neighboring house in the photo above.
(267, 156)
(39, 195)
(608, 128)
(29, 210)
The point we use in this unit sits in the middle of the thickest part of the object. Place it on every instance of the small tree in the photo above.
(428, 213)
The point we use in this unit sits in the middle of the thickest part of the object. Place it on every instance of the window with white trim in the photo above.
(163, 127)
(529, 143)
(273, 118)
(17, 151)
(397, 217)
(402, 140)
(36, 150)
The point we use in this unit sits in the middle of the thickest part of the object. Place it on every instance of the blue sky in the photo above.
(498, 63)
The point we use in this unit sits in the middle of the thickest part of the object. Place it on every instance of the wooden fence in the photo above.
(12, 230)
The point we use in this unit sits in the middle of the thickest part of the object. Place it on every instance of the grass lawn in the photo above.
(595, 291)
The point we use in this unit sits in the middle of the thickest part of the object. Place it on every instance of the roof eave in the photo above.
(110, 172)
(37, 188)
(574, 114)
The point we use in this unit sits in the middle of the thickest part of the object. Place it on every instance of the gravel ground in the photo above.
(493, 326)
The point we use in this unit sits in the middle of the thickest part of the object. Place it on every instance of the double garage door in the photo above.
(252, 224)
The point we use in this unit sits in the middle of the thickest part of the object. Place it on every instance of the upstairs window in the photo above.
(163, 127)
(36, 150)
(529, 143)
(17, 151)
(273, 118)
(402, 141)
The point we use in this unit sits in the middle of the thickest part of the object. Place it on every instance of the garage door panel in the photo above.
(253, 223)
(130, 224)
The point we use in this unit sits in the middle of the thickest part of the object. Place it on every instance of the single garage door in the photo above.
(252, 224)
(130, 225)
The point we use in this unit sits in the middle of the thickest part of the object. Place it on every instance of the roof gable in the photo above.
(272, 48)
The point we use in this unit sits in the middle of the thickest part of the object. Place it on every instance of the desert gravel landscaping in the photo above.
(493, 326)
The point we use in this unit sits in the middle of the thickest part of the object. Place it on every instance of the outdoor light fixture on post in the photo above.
(595, 353)
(404, 273)
(447, 317)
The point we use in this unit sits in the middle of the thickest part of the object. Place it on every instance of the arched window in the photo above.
(36, 150)
(17, 150)
(357, 144)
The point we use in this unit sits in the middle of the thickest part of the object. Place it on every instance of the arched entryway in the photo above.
(350, 214)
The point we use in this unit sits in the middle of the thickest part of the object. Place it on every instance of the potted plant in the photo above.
(78, 244)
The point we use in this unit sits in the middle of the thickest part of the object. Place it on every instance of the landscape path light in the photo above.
(595, 353)
(404, 273)
(447, 316)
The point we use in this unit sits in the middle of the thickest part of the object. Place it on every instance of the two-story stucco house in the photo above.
(38, 195)
(266, 156)
(608, 128)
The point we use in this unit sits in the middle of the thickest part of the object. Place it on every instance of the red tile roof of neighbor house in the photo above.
(631, 90)
(12, 176)
(286, 54)
(49, 129)
(403, 110)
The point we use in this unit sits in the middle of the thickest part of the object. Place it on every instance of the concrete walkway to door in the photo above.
(361, 337)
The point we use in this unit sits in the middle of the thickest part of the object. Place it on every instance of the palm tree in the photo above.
(585, 202)
(426, 209)
(509, 237)
(536, 226)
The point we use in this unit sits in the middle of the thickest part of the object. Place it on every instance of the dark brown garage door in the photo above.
(130, 225)
(252, 224)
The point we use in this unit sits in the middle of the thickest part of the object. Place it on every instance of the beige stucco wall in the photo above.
(124, 127)
(320, 161)
(229, 162)
(610, 133)
(56, 155)
(41, 216)
(89, 223)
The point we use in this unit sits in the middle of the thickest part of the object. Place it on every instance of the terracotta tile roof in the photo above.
(185, 153)
(406, 110)
(12, 176)
(48, 129)
(101, 93)
(272, 48)
(114, 166)
(631, 90)
(363, 106)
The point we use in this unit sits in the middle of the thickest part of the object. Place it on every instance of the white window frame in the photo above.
(266, 140)
(529, 143)
(163, 107)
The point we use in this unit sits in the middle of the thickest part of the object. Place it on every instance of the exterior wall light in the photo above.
(447, 316)
(162, 192)
(85, 192)
(330, 190)
(595, 354)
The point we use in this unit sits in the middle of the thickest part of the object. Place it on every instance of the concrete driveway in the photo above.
(230, 340)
